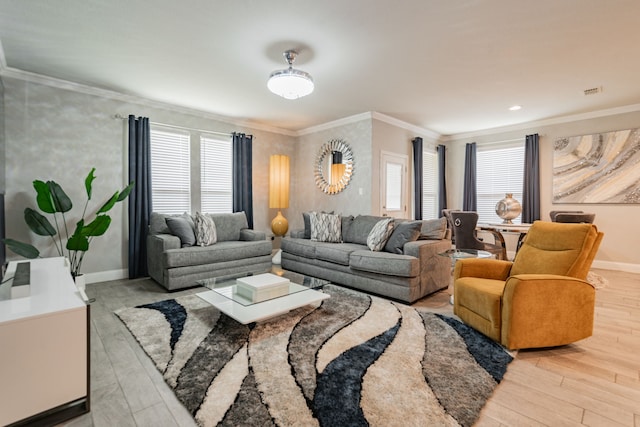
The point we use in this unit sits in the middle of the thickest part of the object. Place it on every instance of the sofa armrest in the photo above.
(435, 270)
(247, 234)
(156, 245)
(484, 268)
(297, 234)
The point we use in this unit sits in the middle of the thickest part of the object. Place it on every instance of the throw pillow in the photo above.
(403, 232)
(325, 227)
(180, 227)
(379, 234)
(206, 233)
(306, 218)
(434, 229)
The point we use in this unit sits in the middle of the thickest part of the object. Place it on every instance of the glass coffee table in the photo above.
(456, 254)
(222, 294)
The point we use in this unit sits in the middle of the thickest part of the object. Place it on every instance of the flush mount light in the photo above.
(290, 83)
(515, 107)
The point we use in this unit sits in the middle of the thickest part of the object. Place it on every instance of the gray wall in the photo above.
(618, 222)
(58, 134)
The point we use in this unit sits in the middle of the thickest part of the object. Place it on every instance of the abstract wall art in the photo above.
(597, 168)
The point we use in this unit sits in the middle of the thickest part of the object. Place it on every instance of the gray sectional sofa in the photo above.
(175, 261)
(407, 276)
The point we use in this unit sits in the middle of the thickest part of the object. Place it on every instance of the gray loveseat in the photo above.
(407, 276)
(175, 261)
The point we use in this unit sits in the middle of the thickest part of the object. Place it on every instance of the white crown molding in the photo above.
(110, 94)
(335, 123)
(546, 122)
(404, 125)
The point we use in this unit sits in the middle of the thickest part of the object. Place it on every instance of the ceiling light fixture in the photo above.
(290, 83)
(515, 108)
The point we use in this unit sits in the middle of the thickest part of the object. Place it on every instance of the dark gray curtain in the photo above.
(442, 180)
(531, 187)
(242, 175)
(140, 197)
(469, 197)
(417, 177)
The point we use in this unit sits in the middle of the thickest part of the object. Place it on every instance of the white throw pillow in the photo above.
(379, 234)
(325, 227)
(206, 233)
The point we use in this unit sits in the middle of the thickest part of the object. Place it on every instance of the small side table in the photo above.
(456, 254)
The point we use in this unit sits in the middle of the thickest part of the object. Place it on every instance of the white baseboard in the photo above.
(618, 266)
(105, 276)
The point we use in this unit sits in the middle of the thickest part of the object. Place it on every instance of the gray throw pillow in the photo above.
(206, 234)
(360, 228)
(434, 229)
(307, 224)
(403, 232)
(180, 227)
(379, 234)
(228, 225)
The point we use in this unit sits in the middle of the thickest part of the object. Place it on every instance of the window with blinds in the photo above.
(215, 175)
(170, 171)
(430, 185)
(499, 170)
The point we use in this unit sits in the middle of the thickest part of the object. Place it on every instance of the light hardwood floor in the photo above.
(595, 382)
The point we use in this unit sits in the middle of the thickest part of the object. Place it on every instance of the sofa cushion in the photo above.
(220, 252)
(158, 222)
(180, 227)
(325, 227)
(306, 219)
(206, 233)
(360, 229)
(385, 263)
(228, 226)
(302, 247)
(379, 234)
(336, 253)
(403, 232)
(434, 229)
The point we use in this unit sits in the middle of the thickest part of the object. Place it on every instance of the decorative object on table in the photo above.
(334, 166)
(542, 298)
(353, 360)
(597, 168)
(290, 83)
(52, 199)
(262, 287)
(508, 208)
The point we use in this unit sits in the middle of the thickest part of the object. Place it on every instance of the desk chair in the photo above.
(586, 218)
(464, 225)
(552, 214)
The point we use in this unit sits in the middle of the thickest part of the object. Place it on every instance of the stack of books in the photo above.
(262, 287)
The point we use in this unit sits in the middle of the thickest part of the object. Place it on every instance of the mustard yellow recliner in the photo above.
(541, 298)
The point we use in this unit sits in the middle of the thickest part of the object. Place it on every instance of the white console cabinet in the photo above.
(44, 349)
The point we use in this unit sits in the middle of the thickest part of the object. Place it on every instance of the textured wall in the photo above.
(58, 134)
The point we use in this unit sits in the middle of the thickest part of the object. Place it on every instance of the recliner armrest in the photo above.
(247, 234)
(483, 268)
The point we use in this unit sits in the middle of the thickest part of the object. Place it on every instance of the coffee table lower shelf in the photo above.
(264, 310)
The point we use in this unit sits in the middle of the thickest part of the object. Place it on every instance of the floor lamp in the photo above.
(279, 195)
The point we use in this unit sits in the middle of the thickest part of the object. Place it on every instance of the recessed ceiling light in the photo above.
(515, 108)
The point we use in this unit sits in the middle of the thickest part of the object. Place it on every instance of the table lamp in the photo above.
(279, 191)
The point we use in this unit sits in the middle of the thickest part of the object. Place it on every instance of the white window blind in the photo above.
(216, 180)
(429, 185)
(499, 170)
(170, 171)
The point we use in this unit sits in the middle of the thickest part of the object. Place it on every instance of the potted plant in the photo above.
(52, 199)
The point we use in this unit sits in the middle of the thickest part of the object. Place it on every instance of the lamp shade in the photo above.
(279, 181)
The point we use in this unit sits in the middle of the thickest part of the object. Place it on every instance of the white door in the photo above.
(393, 184)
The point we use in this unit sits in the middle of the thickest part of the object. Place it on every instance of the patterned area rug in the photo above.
(354, 360)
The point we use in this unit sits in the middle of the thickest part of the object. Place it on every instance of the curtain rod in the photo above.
(121, 117)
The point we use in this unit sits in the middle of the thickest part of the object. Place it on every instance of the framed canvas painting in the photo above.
(597, 168)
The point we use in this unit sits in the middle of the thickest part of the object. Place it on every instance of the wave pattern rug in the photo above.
(354, 360)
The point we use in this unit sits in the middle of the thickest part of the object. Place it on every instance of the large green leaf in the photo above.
(61, 201)
(43, 197)
(23, 249)
(88, 181)
(78, 242)
(97, 227)
(38, 223)
(109, 204)
(127, 190)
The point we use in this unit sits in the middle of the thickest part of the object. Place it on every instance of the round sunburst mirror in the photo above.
(334, 166)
